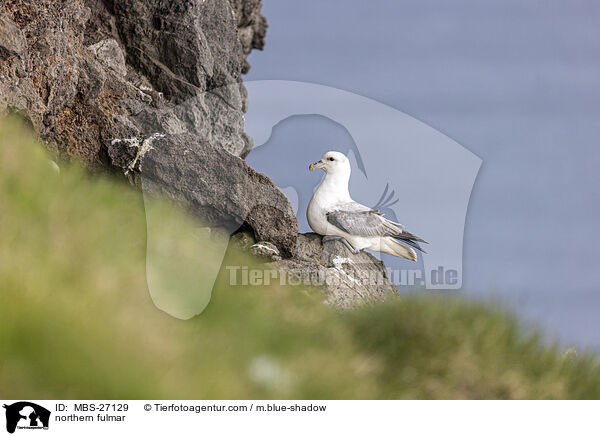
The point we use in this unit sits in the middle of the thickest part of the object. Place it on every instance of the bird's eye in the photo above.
(331, 159)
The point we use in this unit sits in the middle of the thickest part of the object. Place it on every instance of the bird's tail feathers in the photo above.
(410, 239)
(408, 235)
(395, 248)
(413, 244)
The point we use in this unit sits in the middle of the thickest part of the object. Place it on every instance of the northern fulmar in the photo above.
(333, 214)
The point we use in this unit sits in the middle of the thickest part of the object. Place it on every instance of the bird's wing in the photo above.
(362, 223)
(371, 223)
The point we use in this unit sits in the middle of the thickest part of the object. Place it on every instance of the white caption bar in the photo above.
(300, 417)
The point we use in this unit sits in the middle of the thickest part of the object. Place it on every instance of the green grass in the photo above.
(77, 320)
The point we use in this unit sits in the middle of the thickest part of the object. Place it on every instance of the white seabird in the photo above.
(333, 214)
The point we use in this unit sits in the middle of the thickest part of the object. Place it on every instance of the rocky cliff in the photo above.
(152, 89)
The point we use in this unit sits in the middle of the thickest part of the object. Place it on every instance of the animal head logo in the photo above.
(26, 415)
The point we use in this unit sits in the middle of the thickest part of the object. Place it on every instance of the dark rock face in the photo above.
(88, 71)
(183, 47)
(95, 76)
(218, 187)
(13, 42)
(152, 89)
(252, 26)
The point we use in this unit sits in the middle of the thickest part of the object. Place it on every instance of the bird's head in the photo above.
(333, 162)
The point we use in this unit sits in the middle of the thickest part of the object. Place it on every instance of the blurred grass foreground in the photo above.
(77, 321)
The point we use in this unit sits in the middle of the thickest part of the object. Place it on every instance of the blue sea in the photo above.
(515, 82)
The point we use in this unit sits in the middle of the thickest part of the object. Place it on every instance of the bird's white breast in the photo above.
(317, 214)
(326, 198)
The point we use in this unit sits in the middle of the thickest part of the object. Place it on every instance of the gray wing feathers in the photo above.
(371, 223)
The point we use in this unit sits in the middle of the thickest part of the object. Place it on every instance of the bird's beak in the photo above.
(316, 165)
